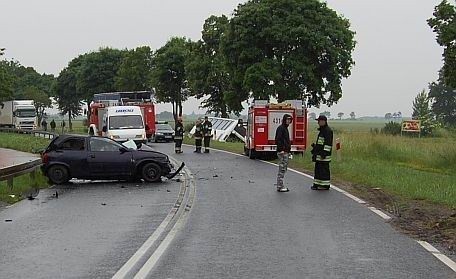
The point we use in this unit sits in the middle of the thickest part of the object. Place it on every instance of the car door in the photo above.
(106, 160)
(72, 152)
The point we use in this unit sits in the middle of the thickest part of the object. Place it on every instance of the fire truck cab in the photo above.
(262, 123)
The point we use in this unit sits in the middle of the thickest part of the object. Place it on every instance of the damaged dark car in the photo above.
(99, 158)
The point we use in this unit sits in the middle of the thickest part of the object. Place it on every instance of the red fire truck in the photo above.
(263, 120)
(142, 99)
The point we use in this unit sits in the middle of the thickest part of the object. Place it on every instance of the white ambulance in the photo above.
(123, 123)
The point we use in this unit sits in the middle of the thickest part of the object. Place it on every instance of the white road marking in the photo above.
(126, 269)
(434, 251)
(152, 261)
(380, 213)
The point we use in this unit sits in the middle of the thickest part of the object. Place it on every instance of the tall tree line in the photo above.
(442, 93)
(281, 49)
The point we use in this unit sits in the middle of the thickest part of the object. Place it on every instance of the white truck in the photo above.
(18, 114)
(121, 123)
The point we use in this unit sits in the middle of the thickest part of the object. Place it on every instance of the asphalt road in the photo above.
(240, 227)
(89, 231)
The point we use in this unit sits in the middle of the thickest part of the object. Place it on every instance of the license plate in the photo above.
(168, 137)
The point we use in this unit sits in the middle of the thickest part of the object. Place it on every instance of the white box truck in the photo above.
(18, 114)
(122, 123)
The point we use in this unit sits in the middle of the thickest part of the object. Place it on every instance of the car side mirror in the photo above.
(105, 129)
(123, 150)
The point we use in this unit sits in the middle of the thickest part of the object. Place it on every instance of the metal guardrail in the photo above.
(36, 133)
(9, 173)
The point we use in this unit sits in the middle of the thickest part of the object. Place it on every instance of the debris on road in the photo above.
(8, 220)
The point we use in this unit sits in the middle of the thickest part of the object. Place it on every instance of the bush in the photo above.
(392, 128)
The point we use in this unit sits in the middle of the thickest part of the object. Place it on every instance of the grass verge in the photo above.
(25, 184)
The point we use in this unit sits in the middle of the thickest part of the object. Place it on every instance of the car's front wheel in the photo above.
(58, 174)
(151, 172)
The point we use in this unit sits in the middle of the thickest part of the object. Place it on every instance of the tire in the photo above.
(252, 154)
(91, 132)
(151, 172)
(58, 174)
(246, 151)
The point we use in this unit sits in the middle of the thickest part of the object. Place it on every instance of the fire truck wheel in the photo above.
(252, 154)
(58, 174)
(151, 172)
(246, 151)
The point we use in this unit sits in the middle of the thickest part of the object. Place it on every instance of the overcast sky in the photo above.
(396, 54)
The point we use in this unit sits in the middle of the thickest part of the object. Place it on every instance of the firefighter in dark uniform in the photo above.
(321, 155)
(207, 133)
(198, 135)
(179, 135)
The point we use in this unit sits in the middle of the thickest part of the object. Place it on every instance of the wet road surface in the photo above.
(89, 231)
(240, 227)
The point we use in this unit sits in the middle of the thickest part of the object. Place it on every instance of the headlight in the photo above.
(139, 136)
(159, 134)
(115, 137)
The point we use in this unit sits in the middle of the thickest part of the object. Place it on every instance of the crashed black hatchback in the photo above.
(99, 158)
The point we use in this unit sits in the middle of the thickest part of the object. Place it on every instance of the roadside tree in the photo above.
(68, 99)
(41, 100)
(168, 73)
(444, 25)
(443, 105)
(97, 71)
(206, 71)
(6, 83)
(422, 112)
(135, 70)
(352, 115)
(287, 49)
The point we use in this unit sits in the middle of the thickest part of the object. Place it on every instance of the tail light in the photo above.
(45, 158)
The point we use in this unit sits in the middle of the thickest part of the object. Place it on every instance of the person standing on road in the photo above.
(198, 135)
(179, 135)
(207, 133)
(53, 126)
(63, 125)
(321, 155)
(44, 124)
(282, 139)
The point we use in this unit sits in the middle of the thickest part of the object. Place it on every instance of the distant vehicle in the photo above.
(100, 158)
(19, 114)
(163, 132)
(142, 99)
(262, 123)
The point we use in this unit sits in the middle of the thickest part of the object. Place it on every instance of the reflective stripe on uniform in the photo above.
(326, 159)
(322, 182)
(327, 148)
(321, 140)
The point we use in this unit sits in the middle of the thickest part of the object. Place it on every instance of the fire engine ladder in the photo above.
(300, 127)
